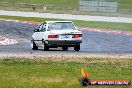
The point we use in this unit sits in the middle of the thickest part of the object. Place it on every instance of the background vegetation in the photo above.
(72, 3)
(61, 72)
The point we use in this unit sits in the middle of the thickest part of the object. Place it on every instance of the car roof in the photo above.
(56, 21)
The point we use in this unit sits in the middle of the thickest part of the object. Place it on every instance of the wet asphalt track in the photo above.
(93, 42)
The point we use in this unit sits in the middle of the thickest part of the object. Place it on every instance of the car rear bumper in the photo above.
(63, 42)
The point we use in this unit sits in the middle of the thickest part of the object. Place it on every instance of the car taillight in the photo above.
(76, 35)
(53, 36)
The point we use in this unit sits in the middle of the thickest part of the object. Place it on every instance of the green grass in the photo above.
(45, 73)
(94, 24)
(48, 2)
(125, 4)
(62, 7)
(122, 3)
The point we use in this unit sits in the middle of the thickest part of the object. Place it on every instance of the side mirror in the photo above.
(36, 30)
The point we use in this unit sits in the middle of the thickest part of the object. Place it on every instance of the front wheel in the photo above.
(77, 47)
(46, 47)
(33, 45)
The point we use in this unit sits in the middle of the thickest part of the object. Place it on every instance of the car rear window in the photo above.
(61, 26)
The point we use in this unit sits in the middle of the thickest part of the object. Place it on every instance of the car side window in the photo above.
(42, 27)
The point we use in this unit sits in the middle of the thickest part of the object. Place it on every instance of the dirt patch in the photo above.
(91, 58)
(2, 39)
(84, 59)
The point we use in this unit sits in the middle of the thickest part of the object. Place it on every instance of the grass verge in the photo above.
(79, 23)
(124, 4)
(47, 2)
(62, 73)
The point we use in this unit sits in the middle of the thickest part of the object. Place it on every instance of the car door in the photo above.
(38, 36)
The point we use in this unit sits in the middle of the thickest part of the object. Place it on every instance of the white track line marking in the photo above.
(8, 41)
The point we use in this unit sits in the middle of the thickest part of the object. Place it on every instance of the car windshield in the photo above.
(61, 26)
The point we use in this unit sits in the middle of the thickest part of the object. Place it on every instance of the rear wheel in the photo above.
(46, 47)
(33, 45)
(65, 48)
(77, 47)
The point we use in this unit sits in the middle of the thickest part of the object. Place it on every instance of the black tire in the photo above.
(34, 47)
(77, 47)
(65, 48)
(46, 47)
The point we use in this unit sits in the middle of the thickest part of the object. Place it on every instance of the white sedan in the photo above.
(53, 34)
